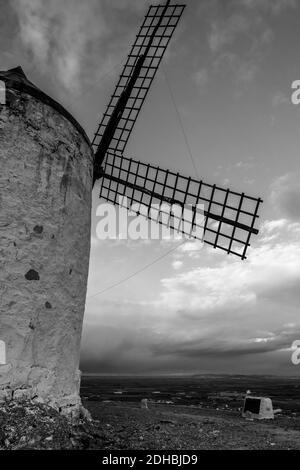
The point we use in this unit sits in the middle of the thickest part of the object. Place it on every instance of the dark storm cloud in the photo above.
(133, 349)
(201, 349)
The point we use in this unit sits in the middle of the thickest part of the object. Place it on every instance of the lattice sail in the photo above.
(229, 218)
(141, 65)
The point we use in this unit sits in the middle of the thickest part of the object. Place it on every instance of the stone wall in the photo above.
(45, 212)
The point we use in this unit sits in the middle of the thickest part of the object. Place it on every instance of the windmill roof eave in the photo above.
(16, 79)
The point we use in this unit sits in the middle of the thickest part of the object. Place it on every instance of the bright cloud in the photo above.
(177, 264)
(274, 263)
(227, 309)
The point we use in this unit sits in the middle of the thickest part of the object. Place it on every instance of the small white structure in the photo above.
(2, 92)
(2, 352)
(258, 407)
(144, 404)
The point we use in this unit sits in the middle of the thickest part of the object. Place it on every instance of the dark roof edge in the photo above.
(41, 96)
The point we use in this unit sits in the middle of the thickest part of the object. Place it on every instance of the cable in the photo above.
(180, 122)
(127, 278)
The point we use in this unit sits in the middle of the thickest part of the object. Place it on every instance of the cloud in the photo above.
(279, 99)
(193, 247)
(238, 40)
(210, 312)
(65, 39)
(272, 267)
(221, 314)
(201, 78)
(244, 165)
(130, 5)
(274, 7)
(237, 309)
(177, 264)
(281, 339)
(246, 72)
(57, 35)
(285, 195)
(225, 32)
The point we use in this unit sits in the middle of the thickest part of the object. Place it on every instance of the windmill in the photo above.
(229, 216)
(48, 169)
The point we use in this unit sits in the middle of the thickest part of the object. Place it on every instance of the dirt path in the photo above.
(126, 426)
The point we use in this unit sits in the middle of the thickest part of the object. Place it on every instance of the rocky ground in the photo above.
(35, 426)
(127, 426)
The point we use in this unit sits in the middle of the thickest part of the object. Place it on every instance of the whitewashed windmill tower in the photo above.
(48, 168)
(45, 203)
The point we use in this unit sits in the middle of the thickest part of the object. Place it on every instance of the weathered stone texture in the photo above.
(45, 210)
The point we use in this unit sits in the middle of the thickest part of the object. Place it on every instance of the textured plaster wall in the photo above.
(45, 211)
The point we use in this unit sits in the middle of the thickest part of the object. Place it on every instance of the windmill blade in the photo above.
(135, 80)
(227, 218)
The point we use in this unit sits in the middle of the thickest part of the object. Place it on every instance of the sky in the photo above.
(230, 67)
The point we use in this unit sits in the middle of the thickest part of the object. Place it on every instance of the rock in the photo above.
(5, 395)
(71, 412)
(22, 394)
(29, 425)
(38, 400)
(54, 405)
(85, 414)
